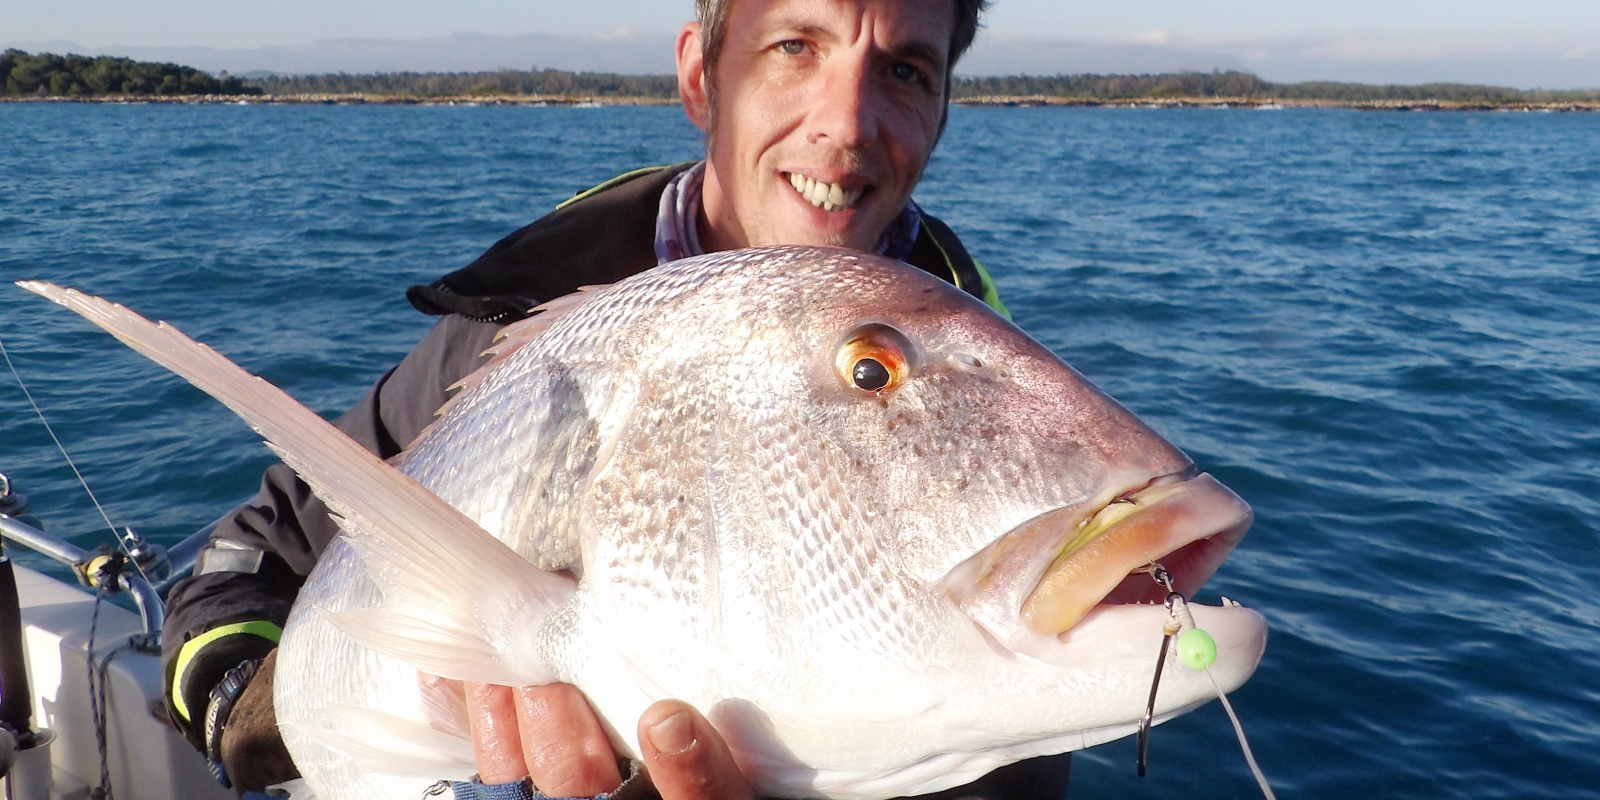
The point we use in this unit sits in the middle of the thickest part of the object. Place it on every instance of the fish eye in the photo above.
(874, 359)
(870, 375)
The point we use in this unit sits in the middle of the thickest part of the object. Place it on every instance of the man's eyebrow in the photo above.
(912, 50)
(791, 26)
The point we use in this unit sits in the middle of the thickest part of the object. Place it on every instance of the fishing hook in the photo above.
(1161, 576)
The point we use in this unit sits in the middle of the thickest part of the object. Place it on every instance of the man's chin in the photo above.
(851, 236)
(843, 240)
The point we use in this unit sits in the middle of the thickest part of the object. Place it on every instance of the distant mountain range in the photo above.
(1512, 65)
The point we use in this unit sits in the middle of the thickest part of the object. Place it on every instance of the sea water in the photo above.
(1381, 329)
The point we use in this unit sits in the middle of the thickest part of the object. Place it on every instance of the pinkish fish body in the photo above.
(885, 540)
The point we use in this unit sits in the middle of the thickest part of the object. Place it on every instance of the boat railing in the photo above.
(68, 713)
(146, 571)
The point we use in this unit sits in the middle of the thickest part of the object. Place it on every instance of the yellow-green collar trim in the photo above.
(259, 627)
(991, 294)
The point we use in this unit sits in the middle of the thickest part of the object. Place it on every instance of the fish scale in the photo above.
(836, 579)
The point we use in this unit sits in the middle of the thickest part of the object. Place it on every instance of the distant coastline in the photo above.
(351, 99)
(1020, 101)
(1423, 104)
(49, 78)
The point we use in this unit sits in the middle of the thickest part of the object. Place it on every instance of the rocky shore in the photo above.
(1004, 101)
(352, 100)
(1272, 103)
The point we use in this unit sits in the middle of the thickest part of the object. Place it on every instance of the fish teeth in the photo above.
(824, 195)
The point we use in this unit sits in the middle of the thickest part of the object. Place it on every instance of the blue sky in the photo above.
(1552, 43)
(234, 23)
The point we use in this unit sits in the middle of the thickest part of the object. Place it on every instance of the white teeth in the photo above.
(826, 196)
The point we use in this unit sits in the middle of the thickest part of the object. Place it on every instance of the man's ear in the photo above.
(692, 76)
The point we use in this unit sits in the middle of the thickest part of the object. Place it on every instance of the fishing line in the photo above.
(1249, 757)
(70, 463)
(104, 579)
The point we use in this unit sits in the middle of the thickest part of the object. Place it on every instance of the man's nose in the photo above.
(846, 111)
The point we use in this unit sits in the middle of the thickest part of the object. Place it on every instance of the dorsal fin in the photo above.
(455, 579)
(514, 337)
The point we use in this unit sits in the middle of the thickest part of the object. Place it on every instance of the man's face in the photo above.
(823, 116)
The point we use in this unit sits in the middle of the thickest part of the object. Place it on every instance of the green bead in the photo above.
(1196, 649)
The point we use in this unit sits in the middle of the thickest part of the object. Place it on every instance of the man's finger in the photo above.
(565, 747)
(492, 714)
(686, 757)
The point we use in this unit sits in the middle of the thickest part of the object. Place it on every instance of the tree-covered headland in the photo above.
(49, 75)
(550, 83)
(26, 76)
(1207, 86)
(1242, 87)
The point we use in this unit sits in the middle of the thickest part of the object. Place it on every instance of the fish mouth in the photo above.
(1042, 577)
(1188, 526)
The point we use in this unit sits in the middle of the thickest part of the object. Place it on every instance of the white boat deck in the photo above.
(147, 758)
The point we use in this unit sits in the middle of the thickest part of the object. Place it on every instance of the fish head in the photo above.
(872, 504)
(907, 483)
(1001, 477)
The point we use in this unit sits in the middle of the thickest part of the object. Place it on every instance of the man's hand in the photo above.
(686, 757)
(252, 750)
(550, 734)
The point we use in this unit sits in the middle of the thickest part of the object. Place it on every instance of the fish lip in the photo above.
(1036, 581)
(1189, 525)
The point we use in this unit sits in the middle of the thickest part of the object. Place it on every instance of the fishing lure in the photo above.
(1197, 651)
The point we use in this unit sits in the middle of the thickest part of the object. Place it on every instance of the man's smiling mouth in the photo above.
(824, 195)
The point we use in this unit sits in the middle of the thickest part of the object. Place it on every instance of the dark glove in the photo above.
(242, 729)
(196, 668)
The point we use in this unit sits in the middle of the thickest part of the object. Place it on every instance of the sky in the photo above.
(1525, 43)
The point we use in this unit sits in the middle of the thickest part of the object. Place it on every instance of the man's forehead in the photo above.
(904, 22)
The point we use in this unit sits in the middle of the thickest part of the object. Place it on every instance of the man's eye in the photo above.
(905, 72)
(793, 47)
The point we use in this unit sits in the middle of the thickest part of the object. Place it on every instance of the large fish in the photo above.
(882, 538)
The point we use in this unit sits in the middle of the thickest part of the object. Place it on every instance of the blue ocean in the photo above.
(1381, 329)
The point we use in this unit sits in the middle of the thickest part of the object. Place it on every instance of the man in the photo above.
(820, 116)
